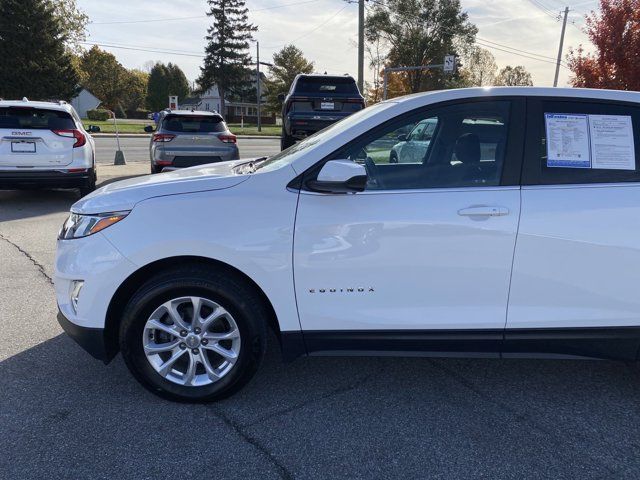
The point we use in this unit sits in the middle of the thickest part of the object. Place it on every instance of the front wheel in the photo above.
(191, 335)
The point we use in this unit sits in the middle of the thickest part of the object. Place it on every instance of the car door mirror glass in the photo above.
(402, 138)
(94, 129)
(281, 97)
(340, 176)
(149, 129)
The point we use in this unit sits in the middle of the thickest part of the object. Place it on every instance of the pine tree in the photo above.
(165, 80)
(227, 53)
(35, 63)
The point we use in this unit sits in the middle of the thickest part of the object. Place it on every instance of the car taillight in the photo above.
(228, 138)
(77, 134)
(163, 137)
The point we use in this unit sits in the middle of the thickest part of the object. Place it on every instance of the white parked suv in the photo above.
(44, 144)
(517, 240)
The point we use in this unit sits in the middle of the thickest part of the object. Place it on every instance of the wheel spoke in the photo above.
(165, 368)
(154, 348)
(218, 313)
(216, 337)
(223, 352)
(190, 374)
(158, 325)
(175, 316)
(196, 320)
(211, 372)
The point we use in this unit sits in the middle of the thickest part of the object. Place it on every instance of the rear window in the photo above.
(326, 85)
(194, 124)
(35, 118)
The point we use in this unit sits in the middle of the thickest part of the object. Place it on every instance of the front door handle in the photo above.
(483, 211)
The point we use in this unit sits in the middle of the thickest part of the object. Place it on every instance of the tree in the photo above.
(419, 33)
(136, 90)
(480, 66)
(615, 33)
(514, 76)
(165, 80)
(35, 63)
(227, 52)
(287, 63)
(104, 76)
(73, 22)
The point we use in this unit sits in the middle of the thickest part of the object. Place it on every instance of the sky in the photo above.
(517, 32)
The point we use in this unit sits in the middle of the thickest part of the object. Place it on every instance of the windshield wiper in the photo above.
(252, 166)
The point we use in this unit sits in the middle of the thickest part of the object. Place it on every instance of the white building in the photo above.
(85, 100)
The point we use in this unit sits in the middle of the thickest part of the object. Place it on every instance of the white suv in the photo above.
(521, 239)
(43, 144)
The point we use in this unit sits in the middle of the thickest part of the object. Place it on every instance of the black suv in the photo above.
(315, 102)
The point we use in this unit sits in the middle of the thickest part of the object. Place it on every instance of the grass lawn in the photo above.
(137, 126)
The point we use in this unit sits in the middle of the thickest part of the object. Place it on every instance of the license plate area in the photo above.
(23, 147)
(327, 105)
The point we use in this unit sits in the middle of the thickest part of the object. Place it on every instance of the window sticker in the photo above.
(612, 145)
(590, 141)
(567, 140)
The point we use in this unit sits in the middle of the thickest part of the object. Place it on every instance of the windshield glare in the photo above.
(291, 154)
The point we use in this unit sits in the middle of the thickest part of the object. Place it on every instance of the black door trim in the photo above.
(615, 343)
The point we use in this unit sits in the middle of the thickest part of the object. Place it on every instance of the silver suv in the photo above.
(186, 138)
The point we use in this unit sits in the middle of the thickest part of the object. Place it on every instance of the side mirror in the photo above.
(340, 176)
(402, 138)
(94, 129)
(281, 97)
(149, 129)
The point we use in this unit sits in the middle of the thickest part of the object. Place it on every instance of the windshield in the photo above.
(326, 85)
(194, 124)
(291, 154)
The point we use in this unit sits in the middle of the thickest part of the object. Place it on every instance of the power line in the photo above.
(518, 54)
(142, 49)
(310, 31)
(176, 19)
(515, 49)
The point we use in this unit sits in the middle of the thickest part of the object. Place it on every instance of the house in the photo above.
(191, 103)
(236, 111)
(84, 101)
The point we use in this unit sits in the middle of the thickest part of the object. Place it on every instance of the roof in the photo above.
(61, 106)
(462, 93)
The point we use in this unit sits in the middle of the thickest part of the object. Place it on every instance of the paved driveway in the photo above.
(65, 415)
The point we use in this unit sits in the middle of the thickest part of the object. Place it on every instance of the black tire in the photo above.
(156, 169)
(224, 288)
(286, 140)
(91, 186)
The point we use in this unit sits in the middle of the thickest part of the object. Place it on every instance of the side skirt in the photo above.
(614, 343)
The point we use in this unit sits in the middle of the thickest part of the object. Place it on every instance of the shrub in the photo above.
(138, 114)
(98, 115)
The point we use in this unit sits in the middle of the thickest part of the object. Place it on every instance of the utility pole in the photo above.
(259, 100)
(564, 27)
(361, 46)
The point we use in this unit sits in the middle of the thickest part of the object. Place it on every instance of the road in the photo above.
(64, 415)
(137, 149)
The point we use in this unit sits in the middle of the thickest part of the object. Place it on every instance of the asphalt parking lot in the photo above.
(65, 415)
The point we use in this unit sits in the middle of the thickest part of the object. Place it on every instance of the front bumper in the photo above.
(91, 339)
(45, 178)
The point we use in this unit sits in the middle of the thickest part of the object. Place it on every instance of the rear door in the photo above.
(35, 137)
(577, 259)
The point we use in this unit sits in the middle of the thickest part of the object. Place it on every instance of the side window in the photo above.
(573, 142)
(461, 145)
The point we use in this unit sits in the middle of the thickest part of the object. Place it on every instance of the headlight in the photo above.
(78, 226)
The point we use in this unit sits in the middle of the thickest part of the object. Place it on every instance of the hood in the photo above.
(123, 195)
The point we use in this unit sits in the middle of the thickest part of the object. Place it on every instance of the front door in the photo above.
(428, 245)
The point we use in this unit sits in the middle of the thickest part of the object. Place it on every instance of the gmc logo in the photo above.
(20, 134)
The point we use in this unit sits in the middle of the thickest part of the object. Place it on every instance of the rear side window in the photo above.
(573, 142)
(194, 124)
(326, 85)
(35, 118)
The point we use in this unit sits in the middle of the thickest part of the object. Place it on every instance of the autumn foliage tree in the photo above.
(615, 33)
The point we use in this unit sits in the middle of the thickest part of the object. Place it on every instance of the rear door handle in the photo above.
(483, 211)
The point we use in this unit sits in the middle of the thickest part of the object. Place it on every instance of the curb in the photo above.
(146, 135)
